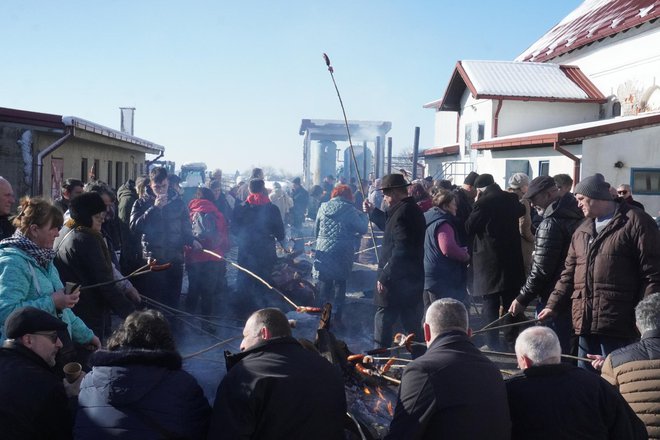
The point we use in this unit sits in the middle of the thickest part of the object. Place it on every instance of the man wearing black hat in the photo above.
(496, 253)
(34, 402)
(613, 261)
(561, 216)
(401, 261)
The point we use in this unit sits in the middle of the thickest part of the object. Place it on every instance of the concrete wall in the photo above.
(636, 149)
(626, 65)
(523, 116)
(445, 128)
(494, 161)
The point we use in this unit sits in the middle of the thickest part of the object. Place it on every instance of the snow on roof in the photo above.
(509, 78)
(517, 80)
(589, 22)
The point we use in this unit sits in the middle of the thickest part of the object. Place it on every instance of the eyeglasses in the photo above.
(622, 192)
(53, 336)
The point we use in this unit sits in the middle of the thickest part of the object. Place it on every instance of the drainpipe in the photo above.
(575, 159)
(45, 152)
(496, 118)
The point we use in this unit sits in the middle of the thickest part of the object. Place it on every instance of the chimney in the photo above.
(127, 117)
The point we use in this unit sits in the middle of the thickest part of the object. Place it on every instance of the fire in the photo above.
(367, 391)
(390, 410)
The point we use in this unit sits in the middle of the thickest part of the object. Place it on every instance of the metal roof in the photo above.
(518, 81)
(593, 20)
(570, 134)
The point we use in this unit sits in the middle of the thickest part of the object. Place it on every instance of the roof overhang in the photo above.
(460, 80)
(570, 134)
(449, 150)
(109, 134)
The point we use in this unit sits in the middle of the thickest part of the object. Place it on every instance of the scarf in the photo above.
(257, 199)
(43, 256)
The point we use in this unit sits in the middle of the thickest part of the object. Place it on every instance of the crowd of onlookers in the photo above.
(588, 260)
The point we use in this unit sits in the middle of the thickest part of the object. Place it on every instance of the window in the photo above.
(109, 173)
(544, 167)
(516, 166)
(645, 181)
(95, 172)
(83, 170)
(119, 169)
(141, 168)
(474, 132)
(134, 171)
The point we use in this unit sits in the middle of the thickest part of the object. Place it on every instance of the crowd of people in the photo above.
(587, 260)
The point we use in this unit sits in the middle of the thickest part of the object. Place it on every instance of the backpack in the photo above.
(203, 225)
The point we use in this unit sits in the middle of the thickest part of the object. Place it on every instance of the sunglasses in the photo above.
(53, 336)
(622, 192)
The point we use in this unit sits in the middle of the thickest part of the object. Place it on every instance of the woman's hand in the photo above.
(63, 301)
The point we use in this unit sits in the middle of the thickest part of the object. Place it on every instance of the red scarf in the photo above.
(257, 199)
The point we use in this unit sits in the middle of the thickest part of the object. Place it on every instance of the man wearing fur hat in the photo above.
(612, 263)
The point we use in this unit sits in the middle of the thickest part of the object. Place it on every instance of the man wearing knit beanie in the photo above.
(613, 261)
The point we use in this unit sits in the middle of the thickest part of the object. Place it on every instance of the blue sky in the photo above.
(229, 82)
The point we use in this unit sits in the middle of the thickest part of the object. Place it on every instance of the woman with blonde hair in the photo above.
(28, 276)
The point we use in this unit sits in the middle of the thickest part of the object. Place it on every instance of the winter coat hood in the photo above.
(203, 205)
(126, 190)
(126, 376)
(565, 207)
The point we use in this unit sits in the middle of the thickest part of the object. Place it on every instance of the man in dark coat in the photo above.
(401, 264)
(7, 200)
(276, 389)
(625, 192)
(452, 391)
(300, 198)
(561, 216)
(131, 250)
(496, 253)
(612, 263)
(257, 224)
(161, 219)
(554, 400)
(34, 403)
(71, 188)
(465, 201)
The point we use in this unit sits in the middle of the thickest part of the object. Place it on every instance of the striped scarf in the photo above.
(20, 241)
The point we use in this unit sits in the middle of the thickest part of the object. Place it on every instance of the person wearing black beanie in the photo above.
(612, 263)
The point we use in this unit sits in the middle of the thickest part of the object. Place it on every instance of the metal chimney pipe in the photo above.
(415, 153)
(378, 165)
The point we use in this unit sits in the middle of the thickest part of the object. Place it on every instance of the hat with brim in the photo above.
(538, 185)
(391, 181)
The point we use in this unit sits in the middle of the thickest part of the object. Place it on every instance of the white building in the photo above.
(608, 49)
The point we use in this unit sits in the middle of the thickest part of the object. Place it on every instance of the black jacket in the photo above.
(142, 395)
(551, 243)
(451, 392)
(401, 260)
(83, 258)
(164, 231)
(257, 227)
(279, 390)
(561, 401)
(300, 198)
(6, 228)
(496, 252)
(33, 404)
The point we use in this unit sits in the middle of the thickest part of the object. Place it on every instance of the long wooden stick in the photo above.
(515, 324)
(503, 353)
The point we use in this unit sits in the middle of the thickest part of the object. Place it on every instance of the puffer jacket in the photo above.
(608, 274)
(164, 231)
(553, 238)
(142, 395)
(23, 282)
(335, 229)
(635, 371)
